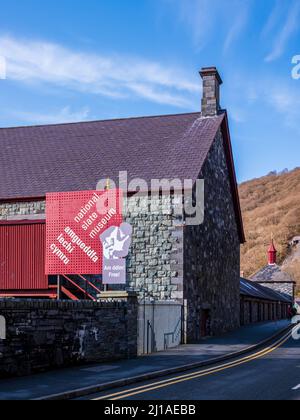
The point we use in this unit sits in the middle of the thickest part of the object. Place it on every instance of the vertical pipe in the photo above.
(153, 327)
(144, 332)
(185, 334)
(58, 287)
(148, 327)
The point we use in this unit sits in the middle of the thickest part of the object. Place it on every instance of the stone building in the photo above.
(274, 277)
(198, 266)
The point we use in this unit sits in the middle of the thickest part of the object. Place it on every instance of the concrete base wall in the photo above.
(159, 326)
(41, 335)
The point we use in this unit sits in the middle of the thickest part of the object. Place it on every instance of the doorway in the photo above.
(205, 323)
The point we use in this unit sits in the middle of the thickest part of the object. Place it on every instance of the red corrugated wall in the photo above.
(22, 256)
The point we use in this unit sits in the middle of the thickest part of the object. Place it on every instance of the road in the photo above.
(273, 373)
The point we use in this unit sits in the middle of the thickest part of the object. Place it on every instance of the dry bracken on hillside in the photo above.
(270, 206)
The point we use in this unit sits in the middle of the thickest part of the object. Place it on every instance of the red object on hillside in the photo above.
(272, 254)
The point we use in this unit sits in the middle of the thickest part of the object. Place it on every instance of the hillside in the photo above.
(270, 206)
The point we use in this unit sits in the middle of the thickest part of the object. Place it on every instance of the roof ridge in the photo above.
(99, 121)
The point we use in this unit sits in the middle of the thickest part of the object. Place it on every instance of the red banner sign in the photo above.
(74, 223)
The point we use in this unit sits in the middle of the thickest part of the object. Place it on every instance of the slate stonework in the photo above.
(155, 263)
(284, 288)
(275, 273)
(20, 210)
(212, 253)
(48, 334)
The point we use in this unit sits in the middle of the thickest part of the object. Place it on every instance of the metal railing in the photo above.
(87, 283)
(173, 335)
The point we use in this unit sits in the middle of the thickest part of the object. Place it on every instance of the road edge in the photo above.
(93, 389)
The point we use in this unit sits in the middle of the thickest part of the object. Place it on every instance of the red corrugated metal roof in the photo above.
(22, 256)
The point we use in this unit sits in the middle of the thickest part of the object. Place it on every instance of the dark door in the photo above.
(205, 323)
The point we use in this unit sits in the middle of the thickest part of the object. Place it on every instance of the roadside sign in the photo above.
(74, 223)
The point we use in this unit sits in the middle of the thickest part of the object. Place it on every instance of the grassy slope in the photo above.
(270, 205)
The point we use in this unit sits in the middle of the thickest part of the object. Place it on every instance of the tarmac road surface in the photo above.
(272, 373)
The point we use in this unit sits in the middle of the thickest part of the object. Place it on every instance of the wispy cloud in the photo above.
(286, 101)
(273, 19)
(238, 26)
(196, 14)
(288, 29)
(237, 114)
(202, 17)
(113, 76)
(277, 96)
(65, 115)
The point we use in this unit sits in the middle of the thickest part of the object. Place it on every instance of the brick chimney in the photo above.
(211, 91)
(272, 254)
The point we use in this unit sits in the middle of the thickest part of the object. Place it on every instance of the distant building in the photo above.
(262, 304)
(273, 277)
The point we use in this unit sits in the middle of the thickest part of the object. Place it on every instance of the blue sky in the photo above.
(73, 60)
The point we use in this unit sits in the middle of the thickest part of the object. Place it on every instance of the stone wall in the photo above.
(21, 210)
(155, 263)
(284, 288)
(212, 254)
(47, 334)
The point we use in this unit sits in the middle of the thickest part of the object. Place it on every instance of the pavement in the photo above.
(60, 381)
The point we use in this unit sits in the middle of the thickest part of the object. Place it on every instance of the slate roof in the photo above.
(254, 290)
(74, 157)
(271, 273)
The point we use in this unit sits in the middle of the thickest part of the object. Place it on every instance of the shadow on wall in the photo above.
(159, 326)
